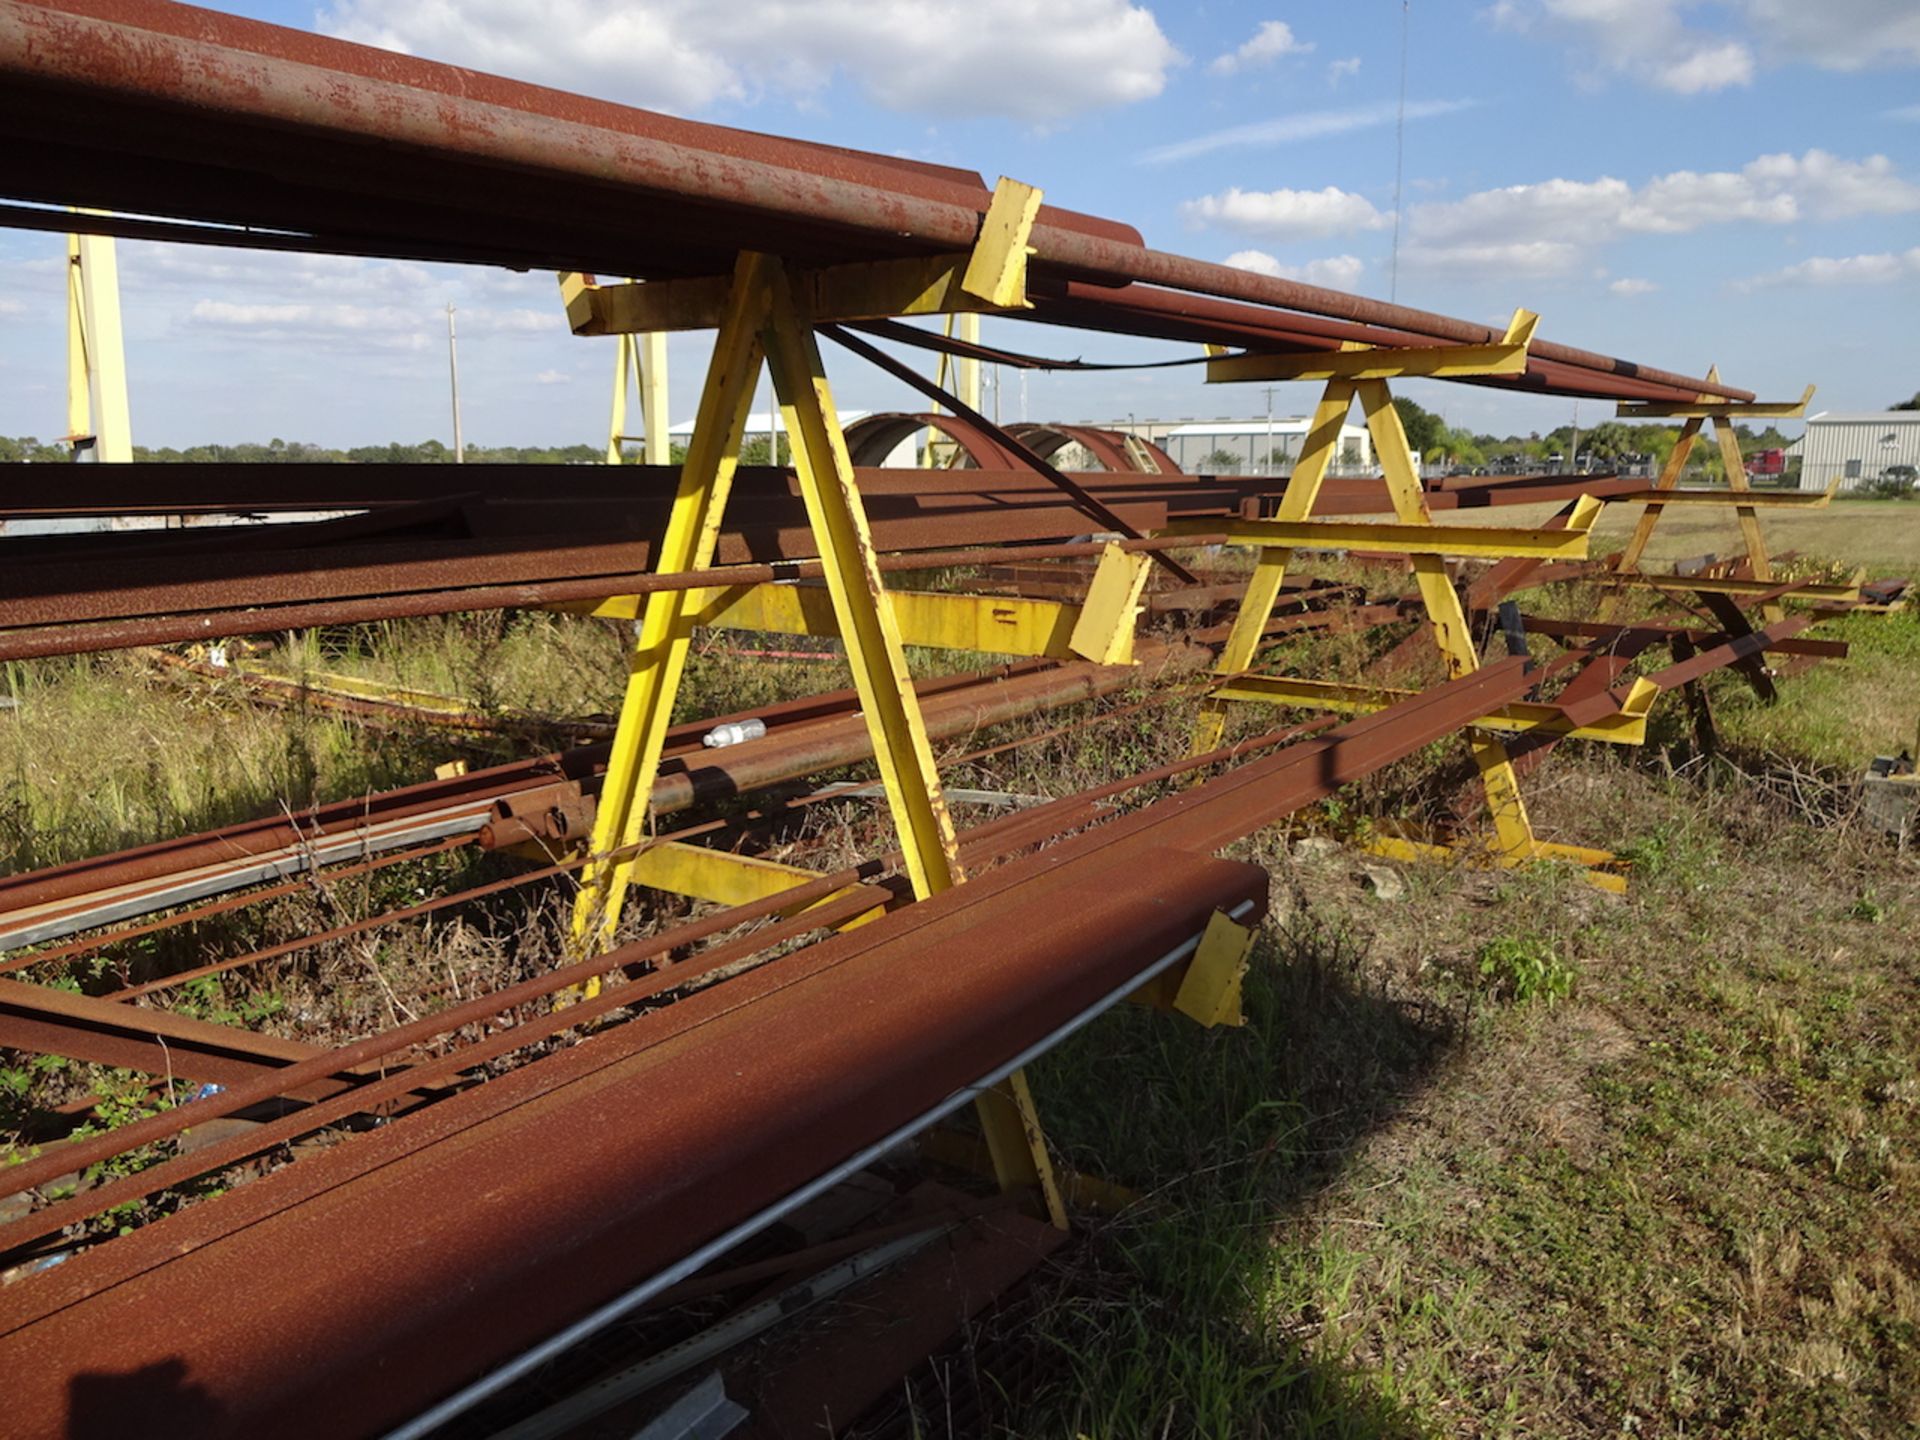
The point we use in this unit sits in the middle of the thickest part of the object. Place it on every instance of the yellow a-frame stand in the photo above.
(1359, 373)
(1740, 494)
(766, 312)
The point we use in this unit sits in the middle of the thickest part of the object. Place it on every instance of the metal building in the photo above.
(1858, 448)
(1260, 447)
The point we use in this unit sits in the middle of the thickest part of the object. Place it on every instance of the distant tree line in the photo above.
(1607, 441)
(13, 450)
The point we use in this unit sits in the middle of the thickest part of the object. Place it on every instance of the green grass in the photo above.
(1680, 1199)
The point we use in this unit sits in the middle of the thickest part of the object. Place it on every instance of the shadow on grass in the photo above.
(1189, 1313)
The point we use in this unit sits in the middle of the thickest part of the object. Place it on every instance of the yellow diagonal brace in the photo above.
(1669, 479)
(1758, 560)
(867, 627)
(1512, 829)
(659, 653)
(1321, 444)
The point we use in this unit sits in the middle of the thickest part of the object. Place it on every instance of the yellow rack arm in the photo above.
(1470, 541)
(1707, 408)
(1358, 362)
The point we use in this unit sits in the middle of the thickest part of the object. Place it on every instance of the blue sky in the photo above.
(1677, 181)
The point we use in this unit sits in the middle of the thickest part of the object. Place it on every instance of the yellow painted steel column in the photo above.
(79, 398)
(97, 369)
(658, 658)
(1322, 443)
(623, 356)
(656, 449)
(867, 627)
(1450, 631)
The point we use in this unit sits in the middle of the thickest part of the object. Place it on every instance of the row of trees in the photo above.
(427, 452)
(26, 448)
(1609, 440)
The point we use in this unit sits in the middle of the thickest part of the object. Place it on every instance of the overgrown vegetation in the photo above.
(1502, 1157)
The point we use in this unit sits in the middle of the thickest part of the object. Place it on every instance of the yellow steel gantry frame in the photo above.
(765, 313)
(1359, 373)
(1739, 493)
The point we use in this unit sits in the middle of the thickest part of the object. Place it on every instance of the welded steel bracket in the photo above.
(1103, 631)
(1739, 492)
(1210, 990)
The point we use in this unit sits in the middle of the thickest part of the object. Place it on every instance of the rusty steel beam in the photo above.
(938, 1011)
(168, 110)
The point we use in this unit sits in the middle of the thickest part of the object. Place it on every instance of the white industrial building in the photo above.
(1857, 448)
(1259, 447)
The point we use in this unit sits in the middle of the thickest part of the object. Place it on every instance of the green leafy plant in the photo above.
(1523, 969)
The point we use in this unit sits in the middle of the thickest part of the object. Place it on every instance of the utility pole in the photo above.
(453, 371)
(1573, 455)
(1266, 460)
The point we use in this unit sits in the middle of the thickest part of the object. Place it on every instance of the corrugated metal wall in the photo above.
(1857, 448)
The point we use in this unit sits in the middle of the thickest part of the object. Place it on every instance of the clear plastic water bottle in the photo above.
(733, 733)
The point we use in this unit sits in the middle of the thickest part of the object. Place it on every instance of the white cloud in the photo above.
(10, 306)
(951, 57)
(1566, 220)
(1708, 68)
(1884, 269)
(1903, 112)
(1838, 34)
(553, 377)
(1629, 286)
(1307, 125)
(1647, 40)
(1337, 272)
(1272, 40)
(1529, 258)
(1343, 70)
(1652, 41)
(1287, 214)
